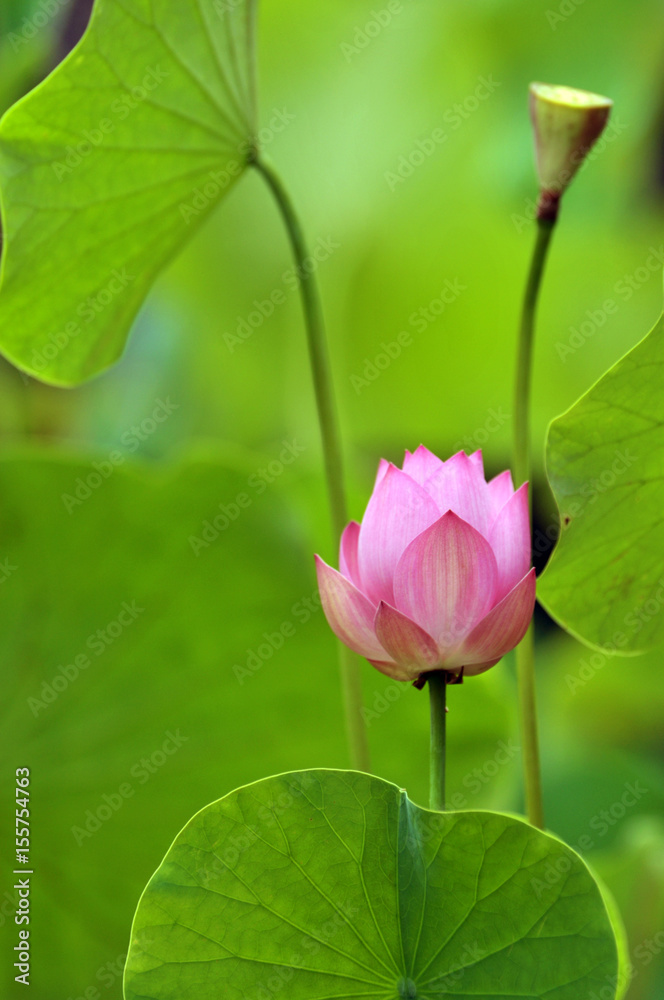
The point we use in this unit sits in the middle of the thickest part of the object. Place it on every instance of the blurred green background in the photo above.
(440, 254)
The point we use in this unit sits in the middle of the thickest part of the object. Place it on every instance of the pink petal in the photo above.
(421, 465)
(476, 459)
(446, 580)
(408, 644)
(383, 466)
(397, 512)
(394, 671)
(509, 537)
(501, 489)
(348, 553)
(501, 630)
(479, 668)
(460, 487)
(349, 613)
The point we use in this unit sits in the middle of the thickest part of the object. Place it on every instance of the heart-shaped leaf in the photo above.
(106, 167)
(332, 884)
(605, 582)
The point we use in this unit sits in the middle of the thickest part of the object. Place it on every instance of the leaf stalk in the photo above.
(349, 662)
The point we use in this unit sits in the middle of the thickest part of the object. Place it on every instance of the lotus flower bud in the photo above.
(567, 123)
(437, 576)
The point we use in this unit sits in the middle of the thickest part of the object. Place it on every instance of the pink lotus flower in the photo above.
(437, 576)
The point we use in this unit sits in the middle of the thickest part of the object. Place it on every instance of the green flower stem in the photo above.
(525, 653)
(327, 418)
(545, 229)
(437, 681)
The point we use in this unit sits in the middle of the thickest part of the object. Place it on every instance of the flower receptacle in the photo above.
(566, 123)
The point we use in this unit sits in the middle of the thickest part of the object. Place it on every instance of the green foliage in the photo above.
(244, 670)
(332, 883)
(106, 167)
(604, 583)
(354, 118)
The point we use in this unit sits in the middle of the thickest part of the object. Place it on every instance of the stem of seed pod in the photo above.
(545, 227)
(437, 696)
(320, 368)
(525, 652)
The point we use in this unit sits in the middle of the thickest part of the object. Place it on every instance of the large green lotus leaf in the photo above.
(605, 581)
(334, 884)
(106, 167)
(231, 653)
(168, 676)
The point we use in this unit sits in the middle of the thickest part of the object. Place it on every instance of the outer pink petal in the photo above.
(510, 540)
(460, 487)
(421, 465)
(348, 553)
(397, 512)
(446, 580)
(501, 630)
(408, 644)
(501, 489)
(477, 460)
(383, 466)
(479, 668)
(392, 670)
(349, 613)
